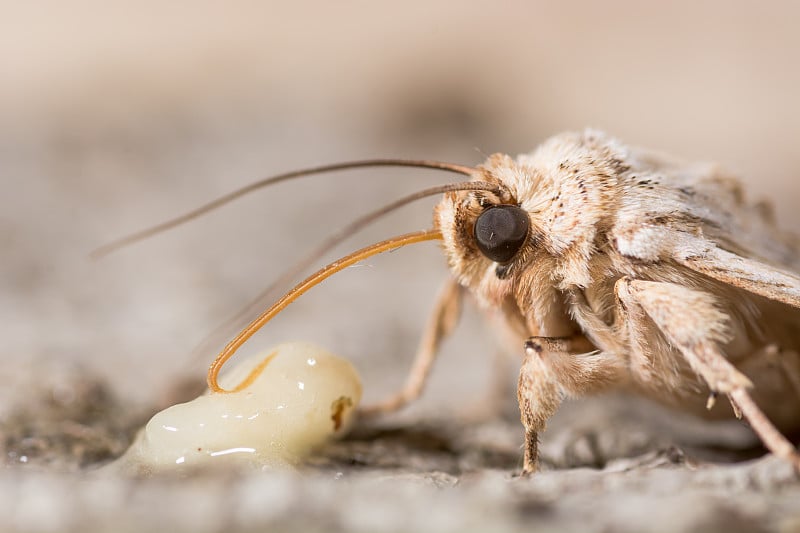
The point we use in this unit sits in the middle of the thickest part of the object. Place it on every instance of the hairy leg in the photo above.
(442, 322)
(691, 322)
(553, 369)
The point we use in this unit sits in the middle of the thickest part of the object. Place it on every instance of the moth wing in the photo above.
(753, 275)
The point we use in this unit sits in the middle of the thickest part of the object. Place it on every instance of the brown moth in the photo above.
(636, 271)
(607, 267)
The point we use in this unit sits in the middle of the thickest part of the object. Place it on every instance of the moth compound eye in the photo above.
(500, 232)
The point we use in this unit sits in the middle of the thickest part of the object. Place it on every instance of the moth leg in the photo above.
(766, 431)
(442, 321)
(543, 383)
(692, 323)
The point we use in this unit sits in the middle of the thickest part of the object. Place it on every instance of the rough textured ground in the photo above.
(112, 118)
(609, 464)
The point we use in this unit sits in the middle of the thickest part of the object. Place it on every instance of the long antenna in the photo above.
(260, 184)
(334, 240)
(296, 292)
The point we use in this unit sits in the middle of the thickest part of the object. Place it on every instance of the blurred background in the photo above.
(114, 116)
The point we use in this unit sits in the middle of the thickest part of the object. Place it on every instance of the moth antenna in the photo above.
(296, 292)
(266, 182)
(334, 240)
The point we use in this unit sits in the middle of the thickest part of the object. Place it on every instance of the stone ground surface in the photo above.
(112, 118)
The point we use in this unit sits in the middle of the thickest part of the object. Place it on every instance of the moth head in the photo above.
(555, 204)
(487, 235)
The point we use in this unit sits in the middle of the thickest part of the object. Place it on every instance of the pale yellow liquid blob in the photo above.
(303, 397)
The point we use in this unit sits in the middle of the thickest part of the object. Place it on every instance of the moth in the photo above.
(607, 267)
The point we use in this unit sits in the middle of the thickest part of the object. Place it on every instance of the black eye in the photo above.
(500, 232)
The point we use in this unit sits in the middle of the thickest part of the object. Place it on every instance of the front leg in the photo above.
(555, 368)
(442, 322)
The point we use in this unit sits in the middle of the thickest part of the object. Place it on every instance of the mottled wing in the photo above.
(752, 275)
(703, 217)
